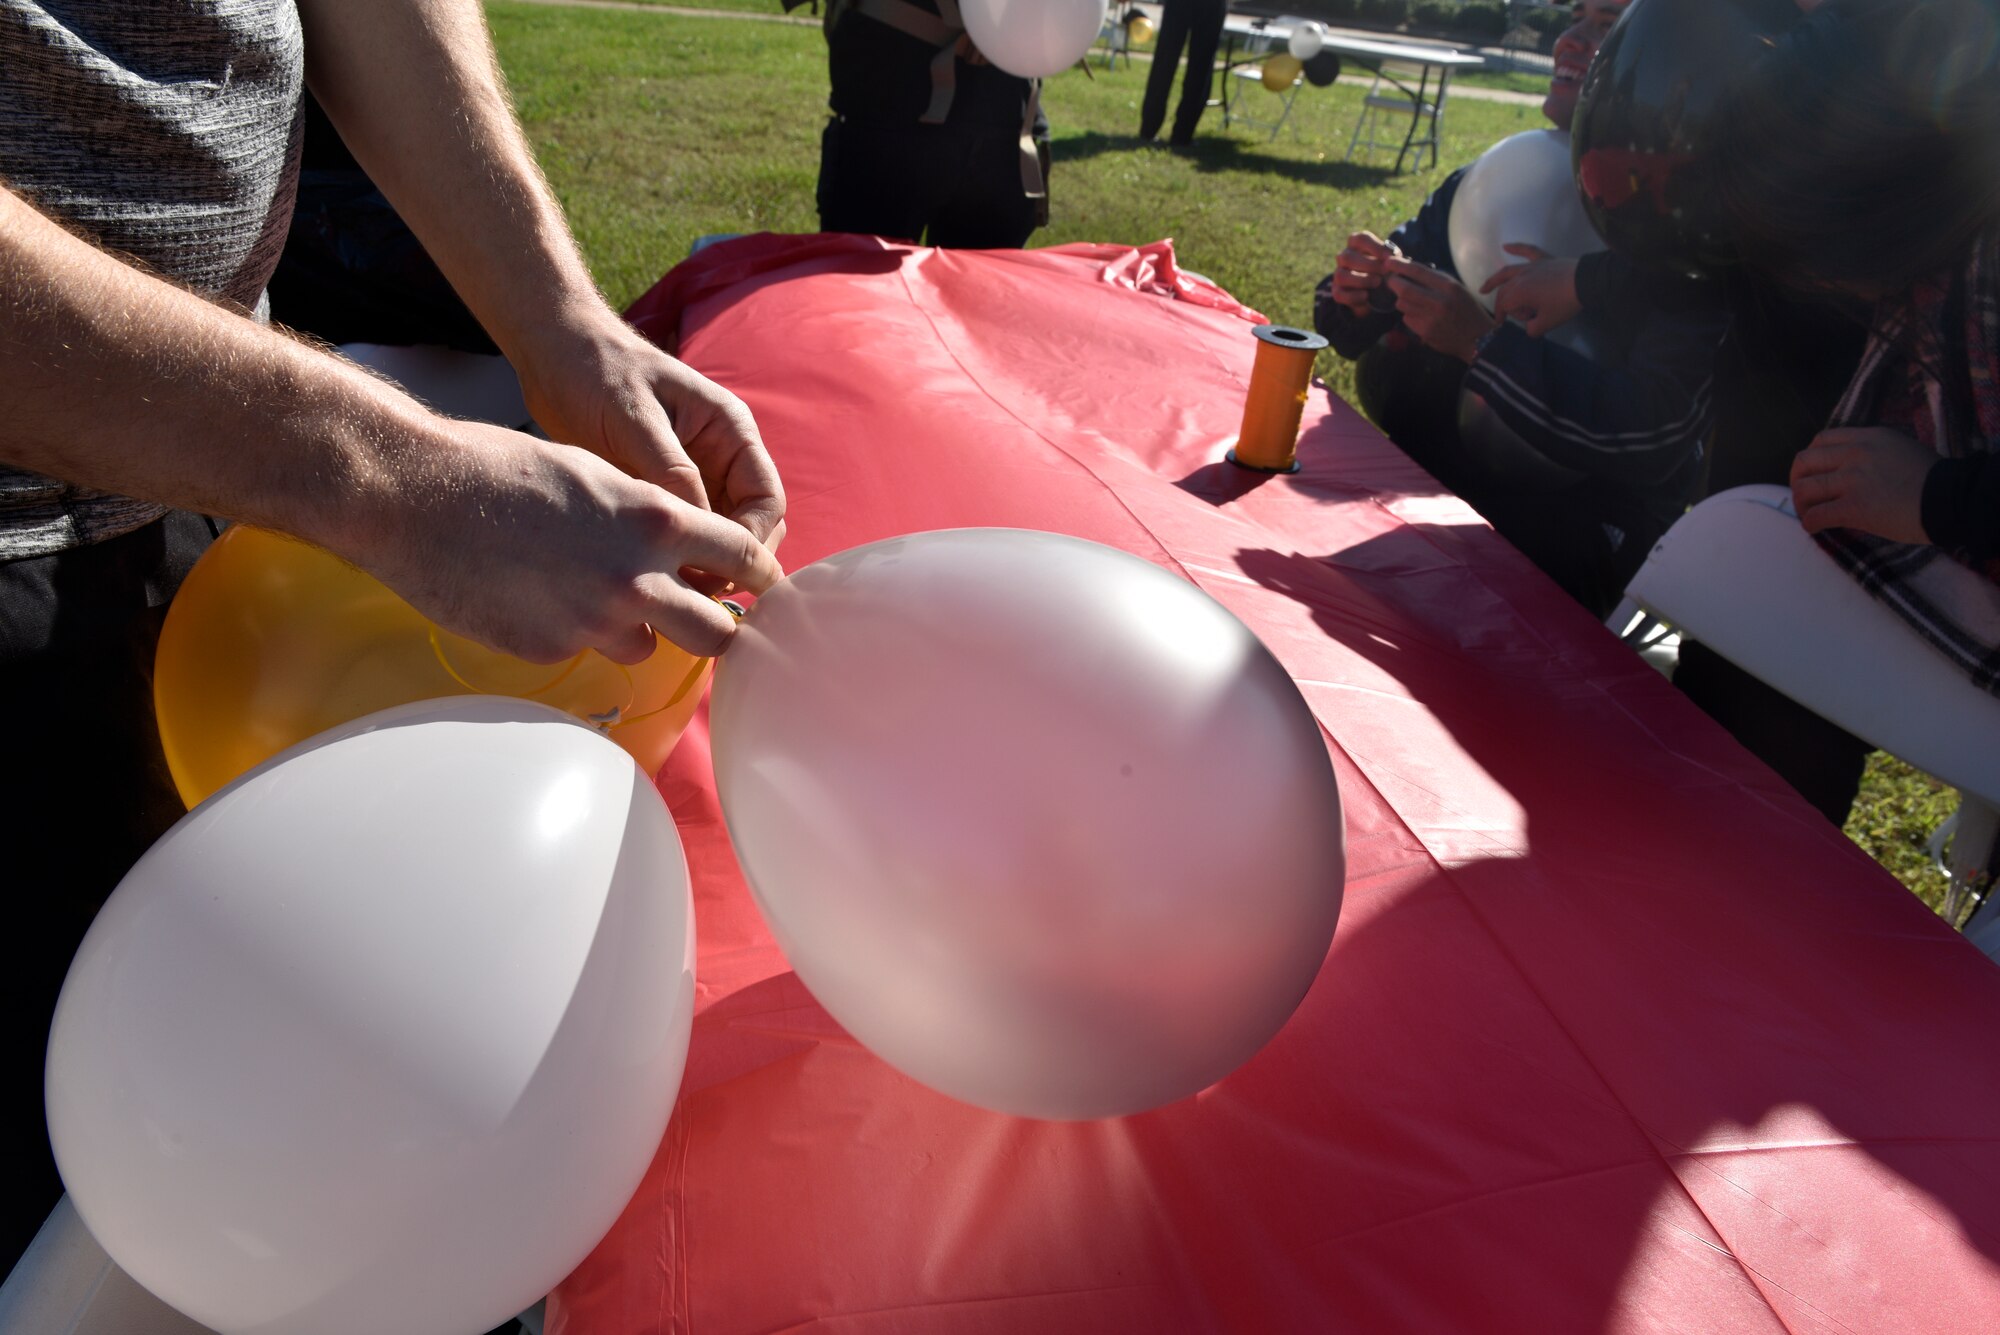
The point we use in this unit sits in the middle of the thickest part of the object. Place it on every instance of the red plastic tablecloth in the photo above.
(1615, 1034)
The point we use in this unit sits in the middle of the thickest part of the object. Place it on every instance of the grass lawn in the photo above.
(657, 129)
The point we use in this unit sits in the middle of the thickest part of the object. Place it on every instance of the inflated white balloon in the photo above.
(1306, 40)
(1040, 823)
(1519, 190)
(383, 1035)
(1033, 38)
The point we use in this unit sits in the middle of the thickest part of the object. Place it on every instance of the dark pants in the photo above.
(939, 184)
(1822, 760)
(84, 792)
(1198, 24)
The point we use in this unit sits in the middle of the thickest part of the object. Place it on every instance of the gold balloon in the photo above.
(1282, 71)
(270, 641)
(1138, 30)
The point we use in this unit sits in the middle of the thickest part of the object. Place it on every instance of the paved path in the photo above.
(1464, 90)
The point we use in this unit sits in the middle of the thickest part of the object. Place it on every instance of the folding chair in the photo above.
(1116, 36)
(1738, 573)
(1407, 113)
(1236, 109)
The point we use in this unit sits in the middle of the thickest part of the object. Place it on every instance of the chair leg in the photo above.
(1977, 828)
(1364, 120)
(1285, 114)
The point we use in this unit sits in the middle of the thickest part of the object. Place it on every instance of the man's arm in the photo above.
(1638, 422)
(415, 91)
(118, 380)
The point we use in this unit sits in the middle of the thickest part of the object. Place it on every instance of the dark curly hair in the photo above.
(1864, 150)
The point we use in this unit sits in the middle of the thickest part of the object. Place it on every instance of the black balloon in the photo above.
(1323, 69)
(1649, 114)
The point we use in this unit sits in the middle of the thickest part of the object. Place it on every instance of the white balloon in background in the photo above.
(1033, 38)
(1044, 826)
(383, 1035)
(1519, 190)
(1306, 40)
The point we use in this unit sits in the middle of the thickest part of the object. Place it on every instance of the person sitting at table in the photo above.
(1869, 208)
(1610, 445)
(1198, 23)
(1872, 179)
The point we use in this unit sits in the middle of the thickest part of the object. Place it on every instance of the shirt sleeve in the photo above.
(1961, 510)
(1426, 238)
(1637, 422)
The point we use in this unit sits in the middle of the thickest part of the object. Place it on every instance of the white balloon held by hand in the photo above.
(993, 789)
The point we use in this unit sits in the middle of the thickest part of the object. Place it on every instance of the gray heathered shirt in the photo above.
(165, 130)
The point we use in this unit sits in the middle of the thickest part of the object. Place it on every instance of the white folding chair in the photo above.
(1401, 110)
(1116, 35)
(1739, 574)
(1238, 108)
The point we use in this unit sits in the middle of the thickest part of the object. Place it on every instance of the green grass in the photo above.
(1898, 809)
(656, 129)
(1510, 81)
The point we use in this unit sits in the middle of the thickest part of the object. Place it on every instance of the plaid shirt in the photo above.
(1930, 369)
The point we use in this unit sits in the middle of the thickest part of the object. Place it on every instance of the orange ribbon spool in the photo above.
(1279, 380)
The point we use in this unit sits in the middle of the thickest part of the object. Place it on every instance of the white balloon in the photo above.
(1033, 38)
(1519, 190)
(1306, 40)
(1040, 823)
(383, 1035)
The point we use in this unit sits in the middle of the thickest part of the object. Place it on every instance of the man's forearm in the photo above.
(118, 380)
(121, 381)
(415, 91)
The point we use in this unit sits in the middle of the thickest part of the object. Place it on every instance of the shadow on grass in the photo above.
(1215, 153)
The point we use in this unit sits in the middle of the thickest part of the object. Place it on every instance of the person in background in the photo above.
(149, 155)
(927, 140)
(1197, 24)
(1613, 442)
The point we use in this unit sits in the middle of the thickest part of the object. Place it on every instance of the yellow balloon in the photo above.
(270, 641)
(1138, 30)
(1282, 71)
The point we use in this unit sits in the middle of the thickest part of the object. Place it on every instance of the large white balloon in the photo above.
(1043, 825)
(1306, 40)
(383, 1035)
(1033, 38)
(1519, 190)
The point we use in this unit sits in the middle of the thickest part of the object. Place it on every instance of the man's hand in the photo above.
(1359, 270)
(594, 381)
(1863, 477)
(1438, 309)
(542, 550)
(1539, 294)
